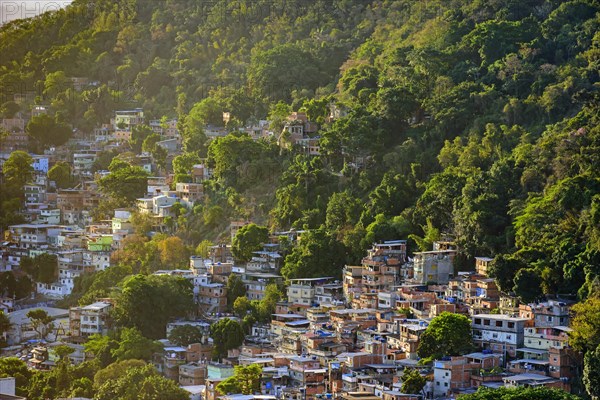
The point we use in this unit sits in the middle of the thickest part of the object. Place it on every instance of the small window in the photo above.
(486, 322)
(511, 324)
(446, 384)
(499, 324)
(478, 321)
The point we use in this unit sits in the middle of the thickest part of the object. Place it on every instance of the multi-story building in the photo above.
(50, 217)
(454, 373)
(381, 267)
(192, 374)
(89, 320)
(499, 333)
(211, 297)
(302, 293)
(434, 266)
(481, 265)
(189, 193)
(547, 314)
(125, 120)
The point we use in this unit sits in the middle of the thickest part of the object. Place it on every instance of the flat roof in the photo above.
(311, 279)
(533, 351)
(99, 305)
(527, 377)
(292, 316)
(530, 361)
(298, 322)
(500, 316)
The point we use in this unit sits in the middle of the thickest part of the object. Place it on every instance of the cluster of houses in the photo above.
(350, 337)
(353, 338)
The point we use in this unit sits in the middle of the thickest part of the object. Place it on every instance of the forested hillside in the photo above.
(472, 120)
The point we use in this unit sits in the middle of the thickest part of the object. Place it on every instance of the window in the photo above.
(478, 321)
(499, 324)
(446, 384)
(511, 324)
(486, 322)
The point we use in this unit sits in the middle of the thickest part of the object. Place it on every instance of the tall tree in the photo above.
(5, 325)
(60, 173)
(18, 170)
(141, 383)
(128, 183)
(184, 335)
(235, 289)
(317, 254)
(40, 321)
(412, 381)
(227, 334)
(133, 345)
(48, 131)
(448, 334)
(591, 373)
(245, 380)
(148, 302)
(248, 239)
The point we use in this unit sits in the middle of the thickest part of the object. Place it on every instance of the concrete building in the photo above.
(499, 333)
(434, 266)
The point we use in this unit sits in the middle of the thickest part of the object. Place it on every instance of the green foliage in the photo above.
(127, 183)
(448, 334)
(227, 334)
(248, 239)
(42, 268)
(203, 248)
(17, 170)
(46, 131)
(61, 174)
(115, 370)
(183, 335)
(521, 392)
(317, 254)
(527, 285)
(245, 380)
(412, 381)
(235, 288)
(134, 346)
(13, 367)
(141, 383)
(148, 302)
(101, 347)
(41, 322)
(591, 372)
(585, 336)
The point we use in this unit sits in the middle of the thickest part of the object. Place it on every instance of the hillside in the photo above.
(476, 121)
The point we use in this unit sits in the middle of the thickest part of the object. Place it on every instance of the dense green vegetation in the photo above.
(473, 120)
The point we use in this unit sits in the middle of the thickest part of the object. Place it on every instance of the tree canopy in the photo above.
(448, 334)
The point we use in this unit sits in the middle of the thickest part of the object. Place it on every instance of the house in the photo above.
(49, 217)
(547, 314)
(434, 266)
(189, 193)
(302, 293)
(499, 333)
(126, 119)
(192, 374)
(481, 265)
(453, 373)
(89, 320)
(83, 162)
